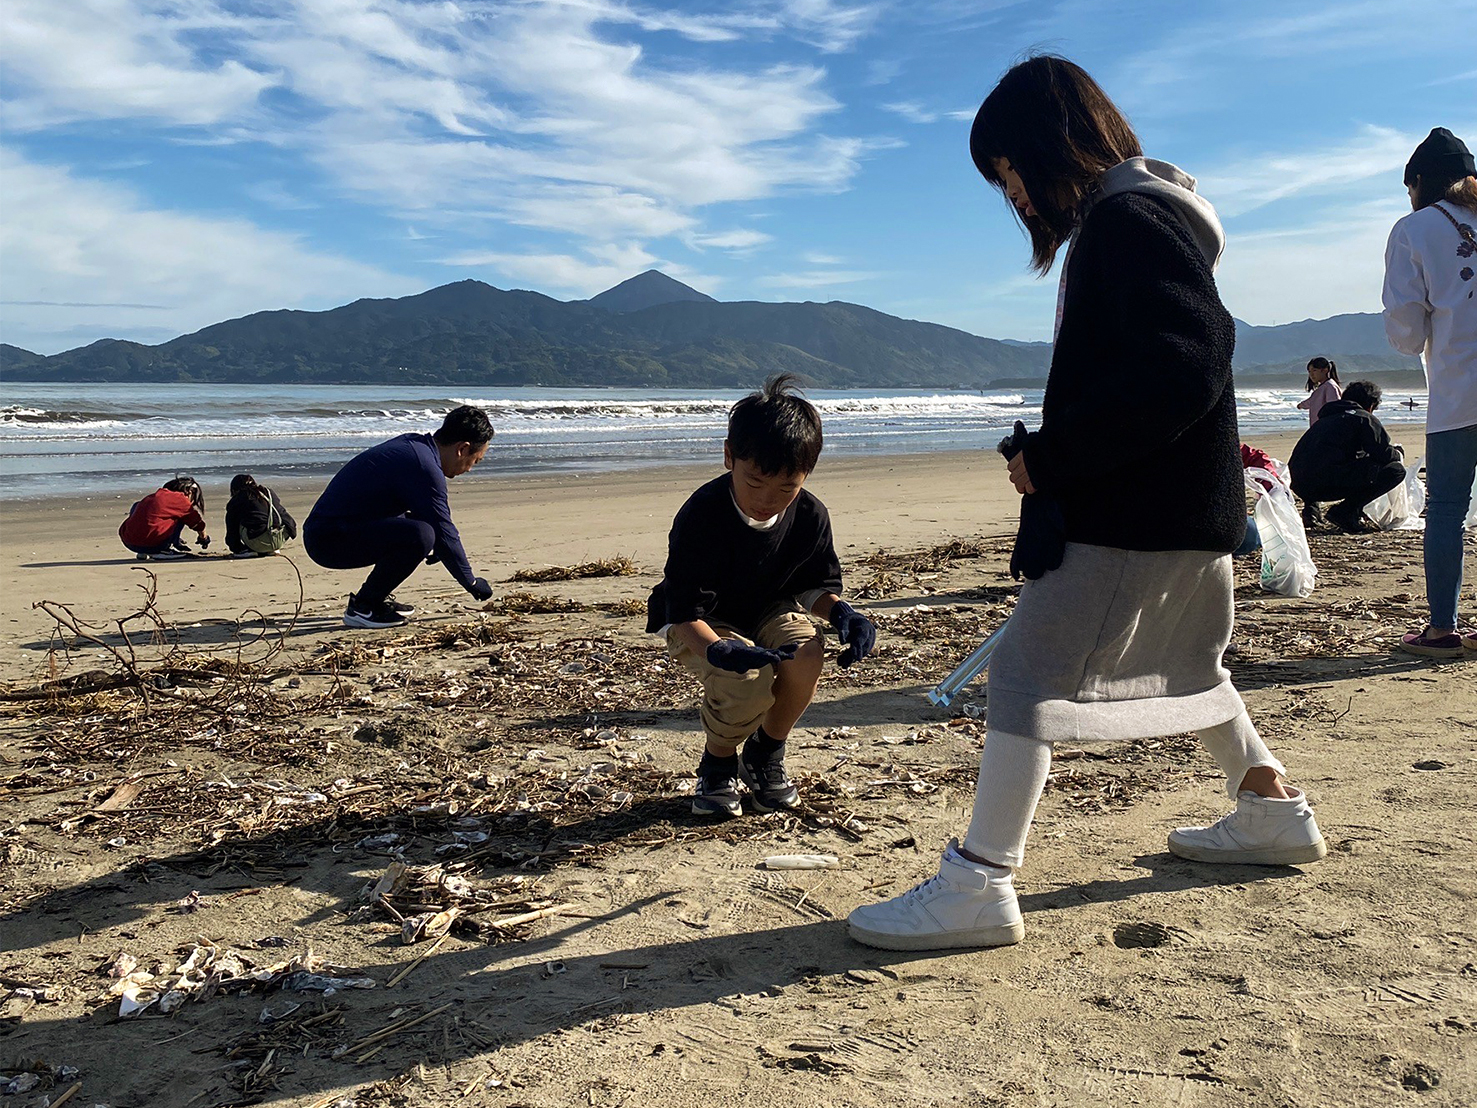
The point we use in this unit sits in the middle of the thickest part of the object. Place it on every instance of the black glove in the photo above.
(480, 589)
(855, 630)
(738, 657)
(432, 558)
(1041, 540)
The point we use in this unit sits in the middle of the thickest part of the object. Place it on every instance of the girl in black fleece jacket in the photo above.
(1119, 632)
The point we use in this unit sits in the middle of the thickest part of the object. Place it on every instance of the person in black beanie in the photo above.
(1430, 300)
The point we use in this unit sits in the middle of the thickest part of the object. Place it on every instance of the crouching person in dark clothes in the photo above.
(750, 559)
(387, 508)
(1346, 456)
(257, 525)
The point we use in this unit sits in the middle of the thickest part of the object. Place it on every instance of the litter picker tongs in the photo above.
(951, 686)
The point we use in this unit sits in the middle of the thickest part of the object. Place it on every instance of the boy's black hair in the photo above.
(464, 424)
(776, 428)
(190, 487)
(1366, 394)
(242, 482)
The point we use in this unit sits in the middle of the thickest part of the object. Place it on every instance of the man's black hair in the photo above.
(1366, 394)
(776, 428)
(465, 424)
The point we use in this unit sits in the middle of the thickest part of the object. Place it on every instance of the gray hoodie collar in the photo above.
(1170, 183)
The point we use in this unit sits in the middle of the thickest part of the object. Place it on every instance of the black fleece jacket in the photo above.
(1138, 440)
(1346, 449)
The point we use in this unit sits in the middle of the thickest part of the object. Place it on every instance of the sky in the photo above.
(167, 164)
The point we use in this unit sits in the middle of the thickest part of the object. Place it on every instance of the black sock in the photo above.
(716, 766)
(760, 747)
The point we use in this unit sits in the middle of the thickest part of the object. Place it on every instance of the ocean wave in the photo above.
(19, 414)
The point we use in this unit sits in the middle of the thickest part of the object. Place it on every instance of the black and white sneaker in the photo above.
(717, 792)
(168, 554)
(395, 606)
(372, 617)
(770, 787)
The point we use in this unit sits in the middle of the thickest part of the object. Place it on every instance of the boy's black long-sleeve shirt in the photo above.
(721, 570)
(248, 511)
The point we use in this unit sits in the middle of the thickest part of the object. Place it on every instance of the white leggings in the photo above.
(1013, 772)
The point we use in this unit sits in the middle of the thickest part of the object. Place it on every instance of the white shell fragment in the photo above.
(802, 861)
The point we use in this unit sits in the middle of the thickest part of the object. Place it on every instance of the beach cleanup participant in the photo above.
(1123, 640)
(1323, 386)
(257, 525)
(1430, 301)
(1347, 456)
(750, 560)
(156, 523)
(387, 508)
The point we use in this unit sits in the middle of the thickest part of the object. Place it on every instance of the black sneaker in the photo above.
(395, 606)
(372, 617)
(168, 554)
(770, 786)
(717, 792)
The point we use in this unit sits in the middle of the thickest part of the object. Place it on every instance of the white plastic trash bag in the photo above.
(1287, 563)
(1400, 508)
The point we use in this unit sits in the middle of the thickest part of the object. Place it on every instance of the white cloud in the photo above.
(1311, 270)
(818, 278)
(544, 114)
(92, 59)
(149, 270)
(829, 25)
(1266, 177)
(912, 111)
(741, 239)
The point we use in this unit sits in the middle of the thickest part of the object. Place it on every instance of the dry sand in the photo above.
(675, 970)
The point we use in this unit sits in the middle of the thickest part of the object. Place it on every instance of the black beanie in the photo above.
(1441, 159)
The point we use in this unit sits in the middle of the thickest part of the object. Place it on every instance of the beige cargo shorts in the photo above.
(734, 704)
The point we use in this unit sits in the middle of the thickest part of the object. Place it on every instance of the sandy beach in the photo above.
(248, 800)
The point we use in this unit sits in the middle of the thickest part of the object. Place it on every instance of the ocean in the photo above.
(90, 440)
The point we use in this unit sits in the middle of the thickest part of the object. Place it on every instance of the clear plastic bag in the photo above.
(1287, 562)
(1400, 508)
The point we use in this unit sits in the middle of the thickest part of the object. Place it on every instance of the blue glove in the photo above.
(855, 630)
(737, 657)
(480, 589)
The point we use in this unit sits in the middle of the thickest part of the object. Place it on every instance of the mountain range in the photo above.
(648, 331)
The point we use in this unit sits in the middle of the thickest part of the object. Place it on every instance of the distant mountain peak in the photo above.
(646, 290)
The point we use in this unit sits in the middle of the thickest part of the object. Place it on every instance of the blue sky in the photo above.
(166, 165)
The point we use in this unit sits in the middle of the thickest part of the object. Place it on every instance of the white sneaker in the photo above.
(967, 904)
(1261, 831)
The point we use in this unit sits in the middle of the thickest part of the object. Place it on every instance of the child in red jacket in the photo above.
(155, 523)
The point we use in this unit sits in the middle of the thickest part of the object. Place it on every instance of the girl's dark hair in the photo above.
(1461, 192)
(1060, 132)
(242, 482)
(190, 487)
(1321, 362)
(776, 428)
